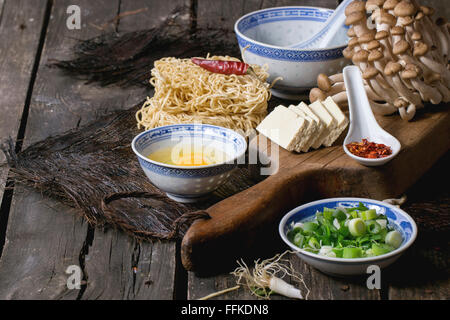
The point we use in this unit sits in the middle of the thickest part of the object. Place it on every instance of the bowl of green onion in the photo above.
(345, 236)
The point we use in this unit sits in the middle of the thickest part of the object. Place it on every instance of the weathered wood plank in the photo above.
(225, 13)
(35, 232)
(117, 266)
(43, 239)
(423, 273)
(322, 287)
(20, 30)
(144, 14)
(200, 287)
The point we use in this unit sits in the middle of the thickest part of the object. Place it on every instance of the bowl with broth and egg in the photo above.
(189, 161)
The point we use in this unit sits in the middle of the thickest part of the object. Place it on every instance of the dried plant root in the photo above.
(267, 277)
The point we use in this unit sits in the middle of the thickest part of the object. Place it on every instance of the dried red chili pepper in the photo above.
(224, 67)
(367, 149)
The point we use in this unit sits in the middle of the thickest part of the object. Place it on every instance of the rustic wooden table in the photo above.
(40, 238)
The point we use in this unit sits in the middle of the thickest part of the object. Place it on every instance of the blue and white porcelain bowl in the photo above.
(397, 218)
(270, 32)
(189, 183)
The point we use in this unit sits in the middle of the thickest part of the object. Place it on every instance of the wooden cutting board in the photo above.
(246, 224)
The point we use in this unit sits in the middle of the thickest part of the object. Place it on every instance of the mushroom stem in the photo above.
(340, 98)
(443, 25)
(440, 39)
(436, 67)
(407, 113)
(382, 109)
(444, 91)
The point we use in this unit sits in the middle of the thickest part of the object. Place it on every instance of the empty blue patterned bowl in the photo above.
(189, 183)
(269, 32)
(397, 218)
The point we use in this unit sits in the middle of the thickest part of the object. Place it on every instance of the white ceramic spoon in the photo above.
(325, 35)
(363, 124)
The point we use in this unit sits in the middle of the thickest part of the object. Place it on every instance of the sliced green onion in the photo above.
(351, 253)
(325, 250)
(362, 207)
(369, 214)
(313, 243)
(382, 223)
(310, 227)
(328, 213)
(357, 227)
(299, 239)
(354, 214)
(373, 227)
(338, 252)
(346, 233)
(394, 238)
(339, 214)
(379, 249)
(336, 224)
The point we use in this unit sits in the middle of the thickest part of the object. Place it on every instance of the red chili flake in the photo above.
(367, 149)
(223, 66)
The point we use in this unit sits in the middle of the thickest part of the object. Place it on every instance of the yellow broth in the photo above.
(188, 155)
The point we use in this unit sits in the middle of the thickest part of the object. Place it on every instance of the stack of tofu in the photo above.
(302, 127)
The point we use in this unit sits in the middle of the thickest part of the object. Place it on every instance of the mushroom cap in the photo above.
(381, 35)
(411, 71)
(404, 8)
(353, 42)
(390, 4)
(400, 47)
(348, 53)
(401, 102)
(375, 55)
(373, 4)
(374, 44)
(323, 82)
(416, 36)
(428, 11)
(316, 94)
(355, 6)
(408, 74)
(360, 56)
(355, 17)
(367, 37)
(370, 73)
(398, 31)
(420, 49)
(419, 15)
(386, 18)
(392, 68)
(405, 21)
(351, 32)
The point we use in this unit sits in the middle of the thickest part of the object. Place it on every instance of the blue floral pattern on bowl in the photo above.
(184, 173)
(283, 53)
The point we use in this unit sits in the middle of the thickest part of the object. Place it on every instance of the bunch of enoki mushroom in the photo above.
(402, 53)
